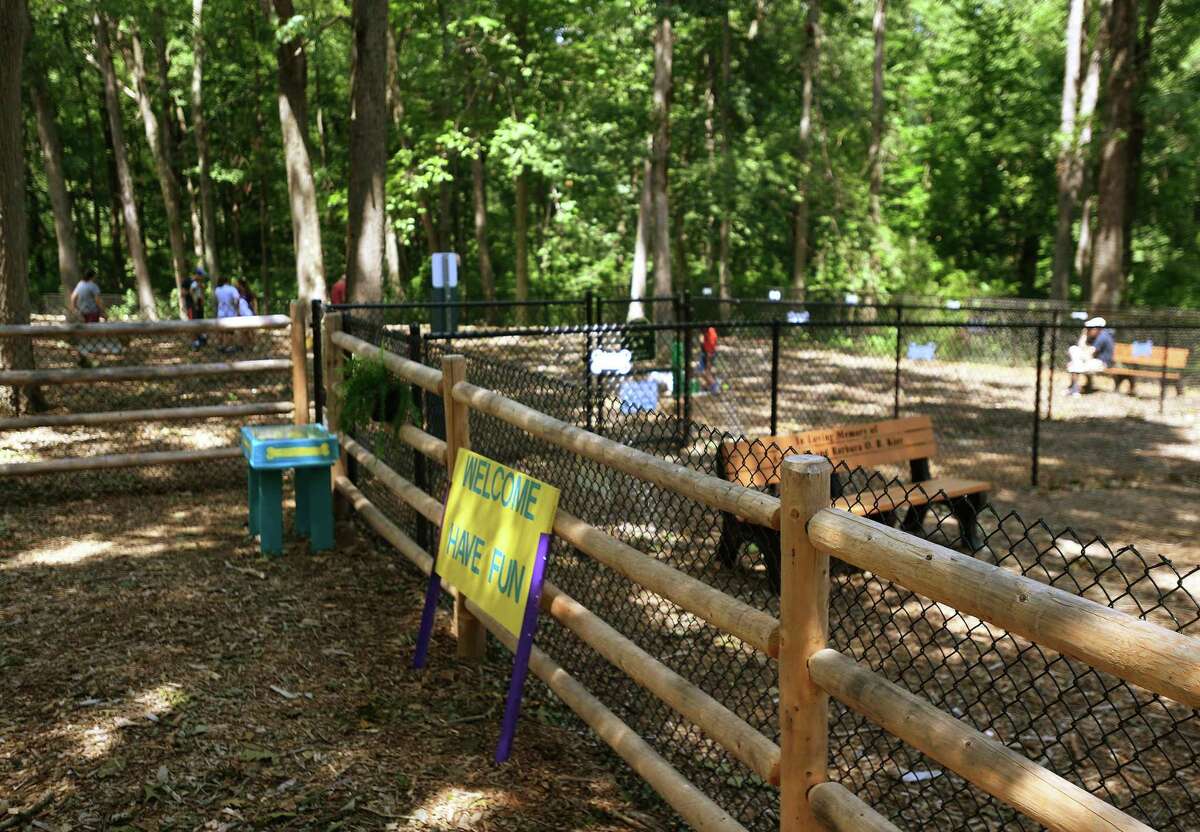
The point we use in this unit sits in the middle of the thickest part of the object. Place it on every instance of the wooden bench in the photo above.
(1162, 363)
(757, 464)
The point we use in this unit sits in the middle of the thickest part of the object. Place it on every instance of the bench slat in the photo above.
(1176, 357)
(916, 494)
(1135, 373)
(756, 463)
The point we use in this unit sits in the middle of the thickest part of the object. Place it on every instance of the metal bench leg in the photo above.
(771, 556)
(966, 511)
(914, 520)
(730, 541)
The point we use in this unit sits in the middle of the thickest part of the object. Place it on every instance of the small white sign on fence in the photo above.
(445, 269)
(637, 396)
(774, 294)
(954, 304)
(921, 352)
(611, 361)
(706, 291)
(851, 299)
(1142, 349)
(797, 316)
(665, 379)
(1079, 316)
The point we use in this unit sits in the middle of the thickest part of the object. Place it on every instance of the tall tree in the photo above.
(1089, 95)
(200, 135)
(368, 152)
(129, 208)
(664, 41)
(812, 55)
(60, 198)
(15, 353)
(875, 151)
(1108, 275)
(641, 245)
(162, 164)
(302, 191)
(1070, 162)
(487, 278)
(1137, 131)
(725, 105)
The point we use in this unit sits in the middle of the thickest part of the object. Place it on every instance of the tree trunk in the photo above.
(1070, 163)
(368, 153)
(875, 151)
(728, 173)
(15, 353)
(129, 212)
(1088, 96)
(1137, 132)
(60, 199)
(1108, 277)
(162, 167)
(264, 247)
(661, 118)
(302, 192)
(200, 133)
(641, 247)
(487, 278)
(812, 31)
(114, 192)
(193, 200)
(521, 230)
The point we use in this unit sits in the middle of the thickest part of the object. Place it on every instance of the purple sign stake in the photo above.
(432, 593)
(512, 707)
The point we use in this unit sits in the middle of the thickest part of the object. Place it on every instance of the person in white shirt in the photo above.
(228, 299)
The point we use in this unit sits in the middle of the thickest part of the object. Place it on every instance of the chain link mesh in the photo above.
(137, 350)
(1133, 749)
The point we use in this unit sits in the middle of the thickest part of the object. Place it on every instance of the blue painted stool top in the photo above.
(269, 447)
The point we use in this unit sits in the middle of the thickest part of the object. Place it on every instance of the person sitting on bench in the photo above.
(1093, 353)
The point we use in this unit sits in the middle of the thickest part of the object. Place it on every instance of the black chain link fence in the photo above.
(1136, 750)
(142, 350)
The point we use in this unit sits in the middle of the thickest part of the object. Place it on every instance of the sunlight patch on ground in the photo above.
(456, 808)
(101, 737)
(75, 552)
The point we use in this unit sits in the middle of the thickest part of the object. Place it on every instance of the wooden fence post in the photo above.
(299, 364)
(333, 358)
(804, 630)
(472, 637)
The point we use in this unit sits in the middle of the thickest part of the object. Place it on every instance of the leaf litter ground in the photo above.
(157, 673)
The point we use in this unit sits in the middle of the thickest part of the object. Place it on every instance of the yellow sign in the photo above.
(494, 521)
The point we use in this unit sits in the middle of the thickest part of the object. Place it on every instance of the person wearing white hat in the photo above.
(1092, 354)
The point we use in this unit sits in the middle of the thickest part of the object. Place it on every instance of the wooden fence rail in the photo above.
(296, 362)
(809, 671)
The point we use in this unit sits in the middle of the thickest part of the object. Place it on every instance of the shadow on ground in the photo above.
(157, 672)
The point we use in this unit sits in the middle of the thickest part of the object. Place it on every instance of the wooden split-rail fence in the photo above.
(240, 373)
(809, 671)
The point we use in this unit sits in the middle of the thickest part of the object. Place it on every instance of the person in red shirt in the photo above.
(708, 357)
(337, 294)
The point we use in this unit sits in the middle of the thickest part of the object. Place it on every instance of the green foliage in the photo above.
(368, 390)
(559, 92)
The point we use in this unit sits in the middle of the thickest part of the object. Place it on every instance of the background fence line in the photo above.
(1107, 739)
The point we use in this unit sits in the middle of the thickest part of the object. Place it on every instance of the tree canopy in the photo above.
(518, 133)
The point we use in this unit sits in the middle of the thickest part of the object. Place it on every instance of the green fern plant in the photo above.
(370, 393)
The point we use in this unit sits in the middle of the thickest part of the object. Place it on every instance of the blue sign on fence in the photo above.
(921, 352)
(638, 396)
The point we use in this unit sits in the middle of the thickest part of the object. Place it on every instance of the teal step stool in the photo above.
(311, 451)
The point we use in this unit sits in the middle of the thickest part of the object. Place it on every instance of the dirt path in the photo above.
(157, 673)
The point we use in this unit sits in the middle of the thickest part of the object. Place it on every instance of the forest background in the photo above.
(1041, 148)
